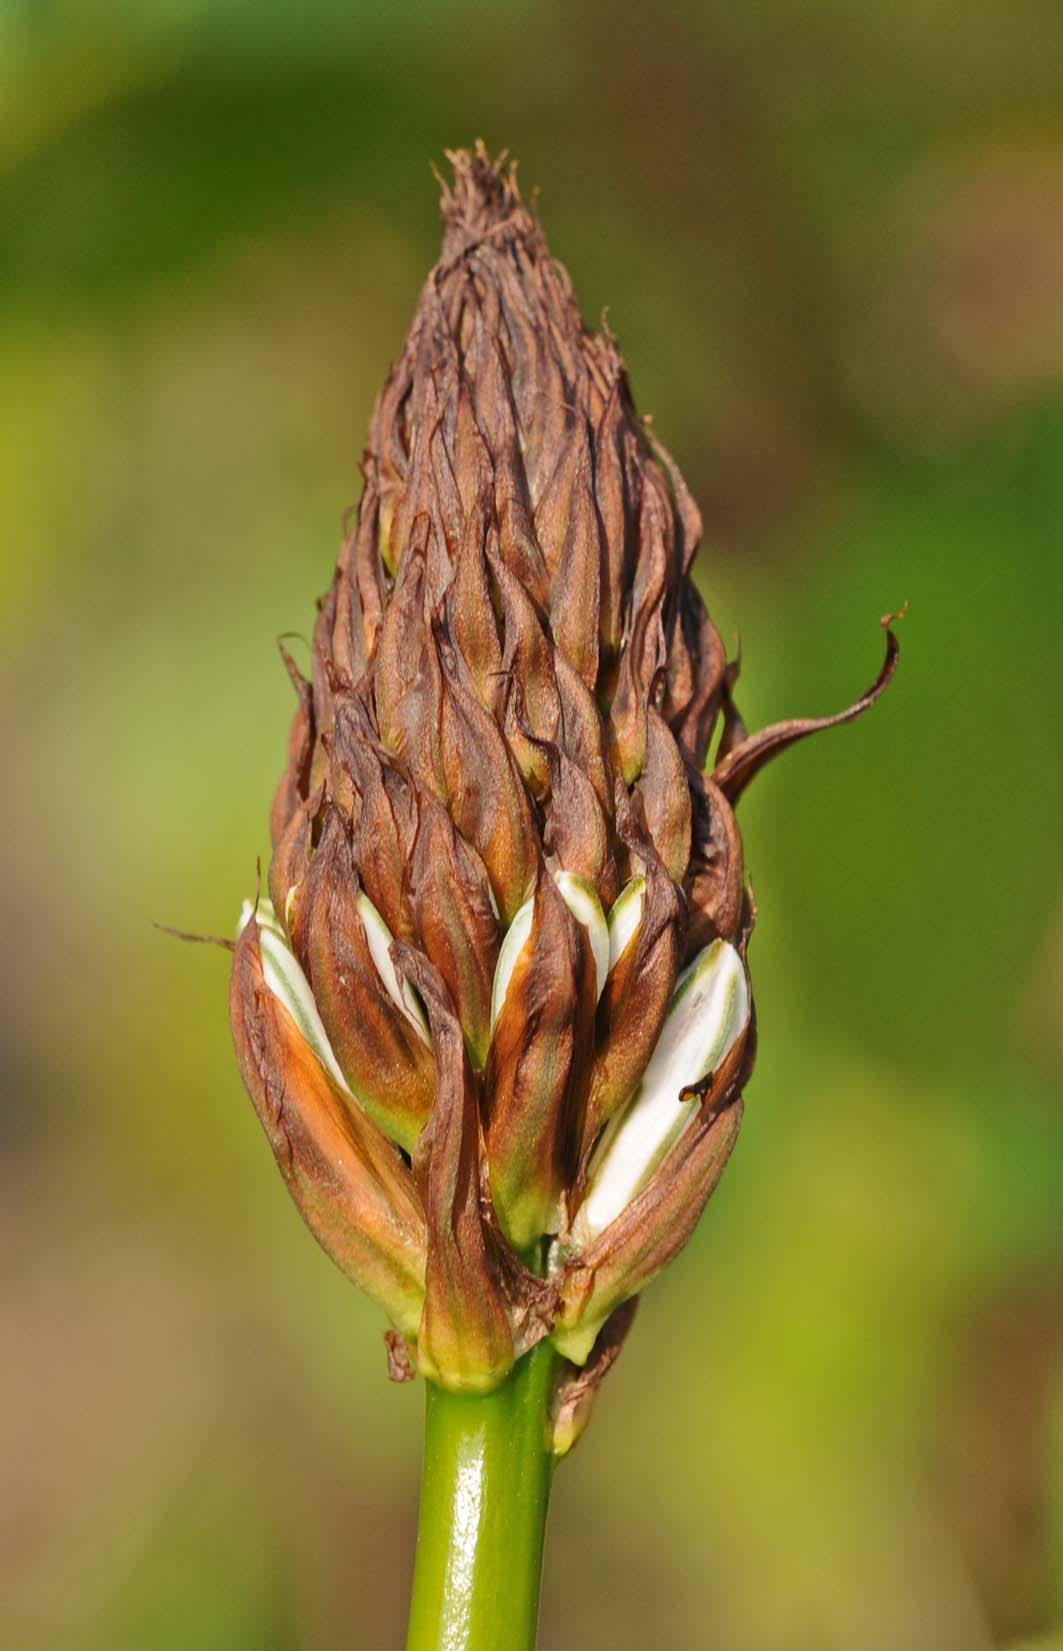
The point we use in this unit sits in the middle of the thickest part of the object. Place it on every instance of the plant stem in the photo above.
(484, 1495)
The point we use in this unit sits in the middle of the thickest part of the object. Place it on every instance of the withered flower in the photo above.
(497, 1018)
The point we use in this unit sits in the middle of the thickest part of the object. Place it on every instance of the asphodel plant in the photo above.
(495, 1014)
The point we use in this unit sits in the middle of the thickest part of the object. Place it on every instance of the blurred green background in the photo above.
(831, 242)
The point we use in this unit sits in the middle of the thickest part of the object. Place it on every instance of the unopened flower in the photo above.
(497, 1019)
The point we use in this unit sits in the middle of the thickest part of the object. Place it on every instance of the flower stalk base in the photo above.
(485, 1490)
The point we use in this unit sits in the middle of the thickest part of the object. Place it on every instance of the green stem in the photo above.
(484, 1495)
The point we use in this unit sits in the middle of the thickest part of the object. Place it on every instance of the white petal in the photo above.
(707, 1014)
(625, 915)
(289, 985)
(586, 908)
(265, 916)
(379, 938)
(517, 936)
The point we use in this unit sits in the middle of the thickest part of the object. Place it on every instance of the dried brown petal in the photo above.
(295, 780)
(635, 1002)
(566, 521)
(697, 667)
(408, 681)
(387, 1064)
(400, 1365)
(456, 925)
(576, 831)
(664, 791)
(291, 856)
(533, 707)
(350, 1184)
(615, 473)
(355, 620)
(577, 1387)
(744, 761)
(644, 650)
(383, 807)
(536, 1069)
(485, 794)
(466, 1338)
(715, 881)
(584, 737)
(472, 623)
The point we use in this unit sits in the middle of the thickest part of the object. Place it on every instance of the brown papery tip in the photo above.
(483, 199)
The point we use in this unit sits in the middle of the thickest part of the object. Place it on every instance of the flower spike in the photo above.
(498, 1022)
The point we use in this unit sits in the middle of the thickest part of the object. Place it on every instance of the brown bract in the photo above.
(350, 1183)
(514, 677)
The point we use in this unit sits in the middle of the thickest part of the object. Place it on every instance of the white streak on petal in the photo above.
(625, 916)
(517, 937)
(585, 906)
(379, 939)
(707, 1014)
(289, 985)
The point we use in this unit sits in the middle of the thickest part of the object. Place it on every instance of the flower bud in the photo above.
(646, 925)
(350, 1184)
(709, 1011)
(537, 1063)
(379, 1036)
(511, 918)
(466, 1336)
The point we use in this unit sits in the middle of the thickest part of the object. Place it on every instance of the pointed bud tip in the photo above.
(484, 195)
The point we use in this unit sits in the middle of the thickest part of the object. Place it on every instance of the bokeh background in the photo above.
(831, 242)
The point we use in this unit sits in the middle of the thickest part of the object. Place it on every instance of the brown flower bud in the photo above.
(355, 1193)
(381, 1040)
(466, 1335)
(536, 1068)
(517, 898)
